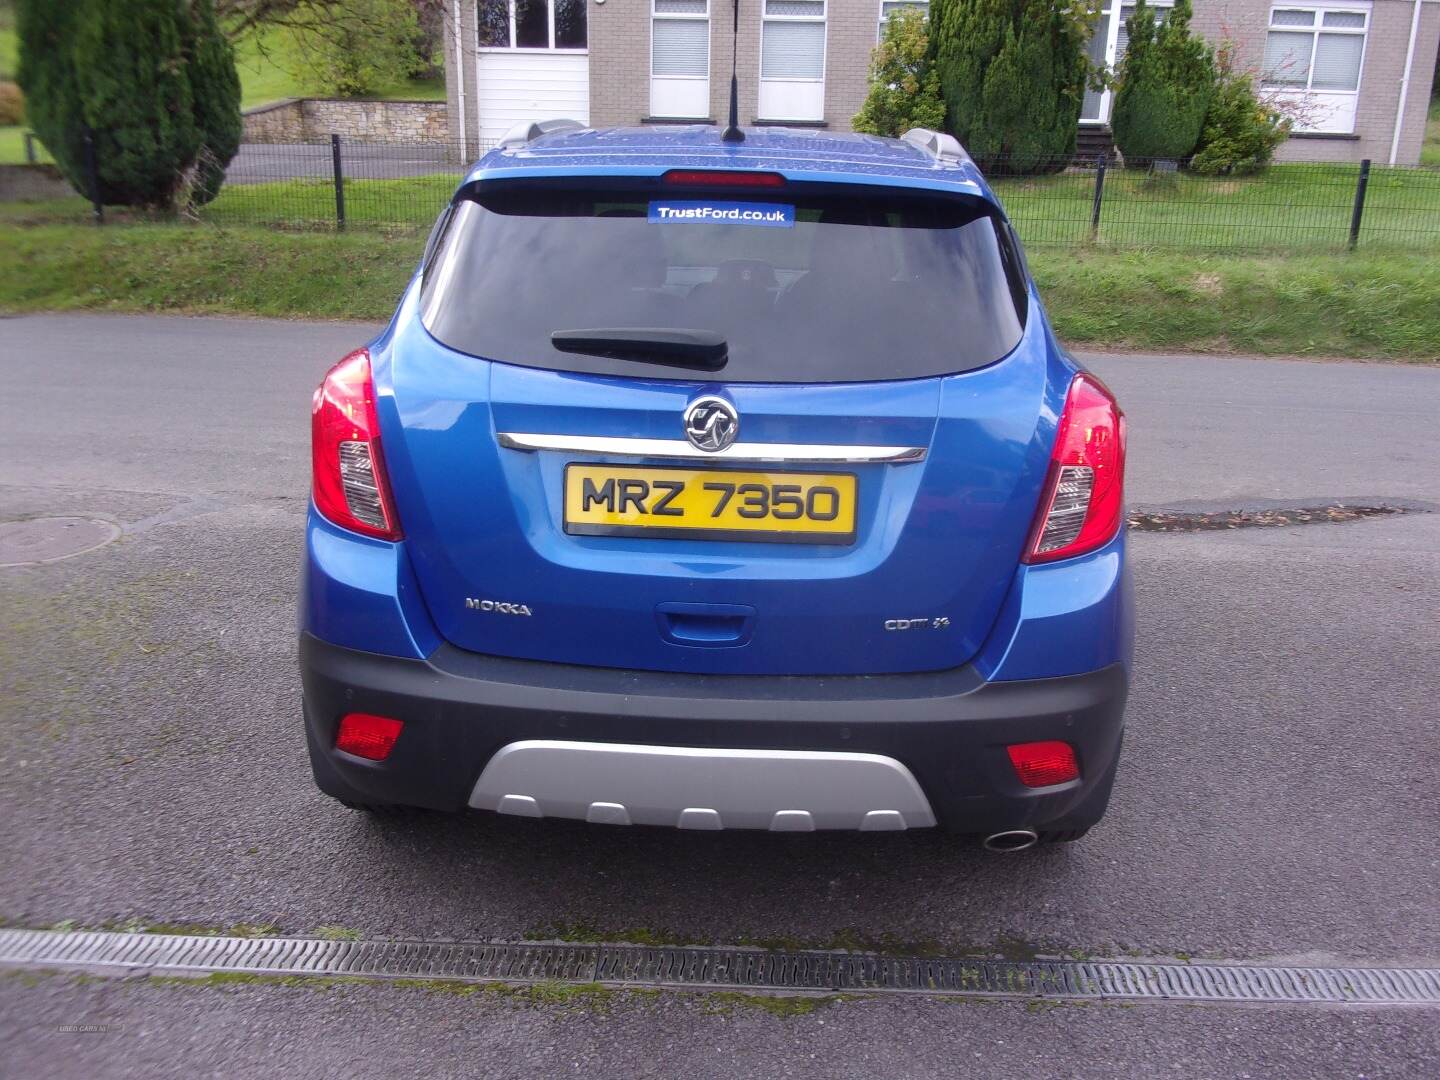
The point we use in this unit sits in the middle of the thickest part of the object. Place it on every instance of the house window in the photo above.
(531, 24)
(792, 60)
(1161, 8)
(889, 7)
(680, 58)
(1313, 57)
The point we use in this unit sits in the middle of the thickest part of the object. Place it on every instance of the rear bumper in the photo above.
(948, 730)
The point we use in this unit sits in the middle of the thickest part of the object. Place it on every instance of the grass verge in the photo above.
(1381, 305)
(203, 270)
(1376, 305)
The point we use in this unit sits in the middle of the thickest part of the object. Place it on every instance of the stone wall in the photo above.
(315, 119)
(278, 122)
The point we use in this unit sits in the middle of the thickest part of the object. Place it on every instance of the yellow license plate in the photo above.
(710, 504)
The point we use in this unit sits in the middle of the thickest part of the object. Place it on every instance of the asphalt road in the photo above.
(1276, 800)
(260, 162)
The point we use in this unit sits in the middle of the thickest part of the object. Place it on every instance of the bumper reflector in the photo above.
(1044, 764)
(368, 736)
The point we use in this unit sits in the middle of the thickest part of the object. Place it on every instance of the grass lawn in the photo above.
(1384, 305)
(9, 45)
(272, 66)
(12, 147)
(1292, 206)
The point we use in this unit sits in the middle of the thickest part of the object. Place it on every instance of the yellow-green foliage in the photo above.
(904, 88)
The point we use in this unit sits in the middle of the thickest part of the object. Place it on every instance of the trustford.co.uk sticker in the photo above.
(765, 215)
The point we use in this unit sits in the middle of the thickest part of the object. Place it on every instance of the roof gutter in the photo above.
(1405, 83)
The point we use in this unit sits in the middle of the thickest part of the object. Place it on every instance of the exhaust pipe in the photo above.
(1011, 840)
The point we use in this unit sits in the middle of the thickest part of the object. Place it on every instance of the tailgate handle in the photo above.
(706, 626)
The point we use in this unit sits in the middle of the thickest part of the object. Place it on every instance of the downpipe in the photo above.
(1010, 840)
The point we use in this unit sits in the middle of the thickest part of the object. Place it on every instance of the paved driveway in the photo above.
(1276, 800)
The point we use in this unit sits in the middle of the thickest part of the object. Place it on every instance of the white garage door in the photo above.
(532, 63)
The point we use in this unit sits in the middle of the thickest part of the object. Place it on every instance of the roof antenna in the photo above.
(733, 133)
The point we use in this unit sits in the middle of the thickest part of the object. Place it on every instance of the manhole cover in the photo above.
(42, 540)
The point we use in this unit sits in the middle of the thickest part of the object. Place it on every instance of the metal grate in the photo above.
(719, 968)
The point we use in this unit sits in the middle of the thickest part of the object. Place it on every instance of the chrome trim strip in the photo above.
(789, 453)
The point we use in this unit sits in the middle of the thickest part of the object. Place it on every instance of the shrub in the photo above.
(363, 45)
(12, 104)
(1164, 86)
(151, 79)
(215, 88)
(904, 89)
(45, 33)
(1013, 75)
(1240, 132)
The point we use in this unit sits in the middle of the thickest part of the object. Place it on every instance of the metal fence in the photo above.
(395, 186)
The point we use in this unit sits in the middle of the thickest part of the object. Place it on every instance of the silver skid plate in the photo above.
(700, 788)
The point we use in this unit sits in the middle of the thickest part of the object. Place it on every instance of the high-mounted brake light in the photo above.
(720, 178)
(1083, 504)
(348, 470)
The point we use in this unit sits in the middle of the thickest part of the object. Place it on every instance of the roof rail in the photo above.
(937, 144)
(530, 130)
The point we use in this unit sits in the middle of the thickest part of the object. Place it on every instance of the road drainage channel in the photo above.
(718, 968)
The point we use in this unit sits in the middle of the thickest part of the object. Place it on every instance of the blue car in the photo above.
(720, 485)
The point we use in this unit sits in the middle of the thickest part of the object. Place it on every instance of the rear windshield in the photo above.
(803, 287)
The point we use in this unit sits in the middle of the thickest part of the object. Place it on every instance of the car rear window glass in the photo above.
(803, 284)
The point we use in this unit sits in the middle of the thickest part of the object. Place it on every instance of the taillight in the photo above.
(1042, 764)
(367, 735)
(348, 470)
(1083, 504)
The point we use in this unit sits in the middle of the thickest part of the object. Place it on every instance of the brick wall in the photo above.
(851, 34)
(1245, 23)
(620, 60)
(619, 36)
(457, 82)
(311, 119)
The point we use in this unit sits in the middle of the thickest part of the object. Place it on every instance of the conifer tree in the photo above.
(1163, 87)
(1013, 74)
(152, 81)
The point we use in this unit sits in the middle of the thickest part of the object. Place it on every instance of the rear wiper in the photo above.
(702, 349)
